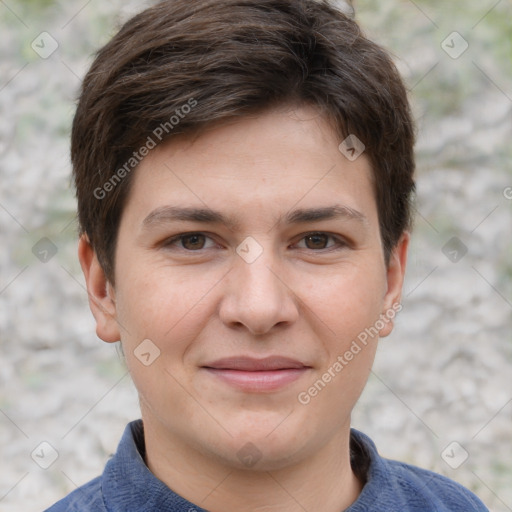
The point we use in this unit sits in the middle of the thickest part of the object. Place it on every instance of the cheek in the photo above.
(347, 301)
(170, 309)
(346, 306)
(164, 305)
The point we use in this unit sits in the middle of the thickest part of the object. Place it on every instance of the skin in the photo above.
(197, 300)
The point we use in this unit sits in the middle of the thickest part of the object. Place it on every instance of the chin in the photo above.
(266, 448)
(262, 455)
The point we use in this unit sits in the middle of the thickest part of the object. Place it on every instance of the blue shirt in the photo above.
(127, 485)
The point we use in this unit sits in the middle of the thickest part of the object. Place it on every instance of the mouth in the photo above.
(257, 375)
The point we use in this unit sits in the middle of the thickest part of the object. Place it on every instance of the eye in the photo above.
(188, 241)
(319, 241)
(194, 242)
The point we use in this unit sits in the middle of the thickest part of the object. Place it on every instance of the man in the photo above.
(244, 171)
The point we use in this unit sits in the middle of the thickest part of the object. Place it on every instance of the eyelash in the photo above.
(341, 243)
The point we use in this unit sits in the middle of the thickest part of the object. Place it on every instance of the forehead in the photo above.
(267, 163)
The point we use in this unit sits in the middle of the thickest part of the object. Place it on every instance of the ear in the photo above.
(395, 280)
(101, 293)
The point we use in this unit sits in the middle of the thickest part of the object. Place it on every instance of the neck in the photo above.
(324, 477)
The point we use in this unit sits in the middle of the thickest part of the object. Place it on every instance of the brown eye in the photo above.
(316, 241)
(322, 242)
(193, 242)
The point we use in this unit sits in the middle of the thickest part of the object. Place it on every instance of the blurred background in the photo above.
(440, 394)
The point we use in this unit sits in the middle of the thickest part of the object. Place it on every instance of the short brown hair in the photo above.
(203, 61)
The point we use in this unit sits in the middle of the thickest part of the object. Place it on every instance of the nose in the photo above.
(257, 297)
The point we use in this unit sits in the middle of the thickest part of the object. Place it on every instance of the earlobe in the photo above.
(395, 281)
(100, 292)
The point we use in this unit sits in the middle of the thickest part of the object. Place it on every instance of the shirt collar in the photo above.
(127, 483)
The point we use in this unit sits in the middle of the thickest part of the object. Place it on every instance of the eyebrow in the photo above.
(167, 214)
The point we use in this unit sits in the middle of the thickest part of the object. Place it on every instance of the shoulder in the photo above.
(122, 476)
(86, 498)
(433, 489)
(393, 485)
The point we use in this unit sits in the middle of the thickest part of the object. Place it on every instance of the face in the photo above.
(250, 260)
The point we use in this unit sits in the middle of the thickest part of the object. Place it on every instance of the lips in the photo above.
(257, 375)
(250, 364)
